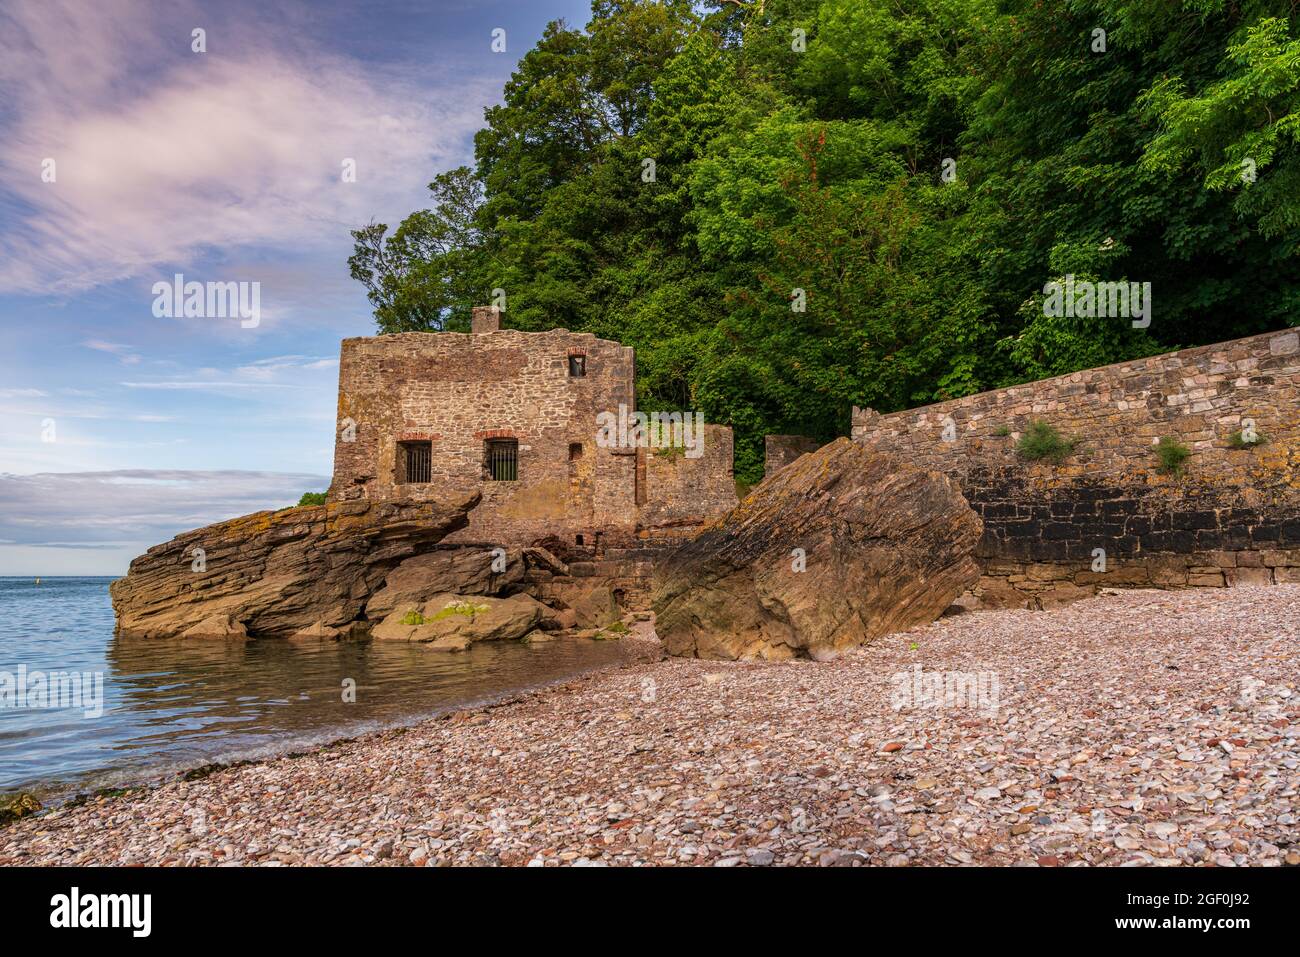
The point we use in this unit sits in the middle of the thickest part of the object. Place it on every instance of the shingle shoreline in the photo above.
(1141, 728)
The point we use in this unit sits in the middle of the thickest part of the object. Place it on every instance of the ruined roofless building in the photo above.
(515, 415)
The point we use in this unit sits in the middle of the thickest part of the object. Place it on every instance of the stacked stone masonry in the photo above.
(454, 397)
(1231, 516)
(780, 450)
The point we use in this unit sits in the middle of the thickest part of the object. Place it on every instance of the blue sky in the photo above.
(119, 429)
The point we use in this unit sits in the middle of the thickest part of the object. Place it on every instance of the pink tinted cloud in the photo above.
(164, 155)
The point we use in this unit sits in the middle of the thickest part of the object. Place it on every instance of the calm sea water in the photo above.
(174, 705)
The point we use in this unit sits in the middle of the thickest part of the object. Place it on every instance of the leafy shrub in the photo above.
(1002, 431)
(312, 498)
(1172, 454)
(412, 617)
(1041, 441)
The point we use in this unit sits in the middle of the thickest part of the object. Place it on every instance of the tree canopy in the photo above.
(789, 207)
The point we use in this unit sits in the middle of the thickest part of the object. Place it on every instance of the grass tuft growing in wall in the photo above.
(1238, 440)
(1171, 455)
(1041, 441)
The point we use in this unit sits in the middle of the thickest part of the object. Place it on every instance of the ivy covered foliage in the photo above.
(789, 207)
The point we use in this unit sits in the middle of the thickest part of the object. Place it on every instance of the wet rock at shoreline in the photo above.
(276, 574)
(452, 622)
(19, 806)
(217, 626)
(593, 607)
(840, 547)
(318, 632)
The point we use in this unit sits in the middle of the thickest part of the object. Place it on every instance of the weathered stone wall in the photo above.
(683, 491)
(458, 391)
(1233, 515)
(780, 450)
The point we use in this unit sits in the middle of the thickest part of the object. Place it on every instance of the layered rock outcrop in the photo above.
(836, 549)
(305, 571)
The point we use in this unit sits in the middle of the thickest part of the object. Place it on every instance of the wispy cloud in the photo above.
(266, 369)
(147, 506)
(239, 147)
(124, 353)
(214, 385)
(274, 372)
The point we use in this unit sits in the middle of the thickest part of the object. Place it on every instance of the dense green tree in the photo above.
(789, 207)
(1055, 152)
(426, 274)
(1242, 130)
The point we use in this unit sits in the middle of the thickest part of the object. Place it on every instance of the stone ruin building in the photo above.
(455, 451)
(515, 416)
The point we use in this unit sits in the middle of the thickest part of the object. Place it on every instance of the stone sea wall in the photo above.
(1231, 515)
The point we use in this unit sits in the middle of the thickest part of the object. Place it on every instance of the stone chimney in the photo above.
(485, 319)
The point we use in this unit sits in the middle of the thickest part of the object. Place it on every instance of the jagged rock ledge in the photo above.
(305, 571)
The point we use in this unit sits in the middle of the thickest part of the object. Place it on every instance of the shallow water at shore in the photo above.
(173, 705)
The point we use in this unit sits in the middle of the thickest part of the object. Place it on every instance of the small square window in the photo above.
(575, 451)
(577, 366)
(501, 460)
(414, 462)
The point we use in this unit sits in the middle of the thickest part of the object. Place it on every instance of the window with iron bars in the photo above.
(414, 462)
(501, 460)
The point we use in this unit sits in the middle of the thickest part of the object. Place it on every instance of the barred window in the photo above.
(501, 460)
(414, 462)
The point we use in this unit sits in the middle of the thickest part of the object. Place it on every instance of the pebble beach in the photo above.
(1140, 728)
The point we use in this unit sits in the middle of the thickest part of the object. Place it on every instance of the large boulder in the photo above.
(592, 606)
(883, 546)
(276, 574)
(461, 619)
